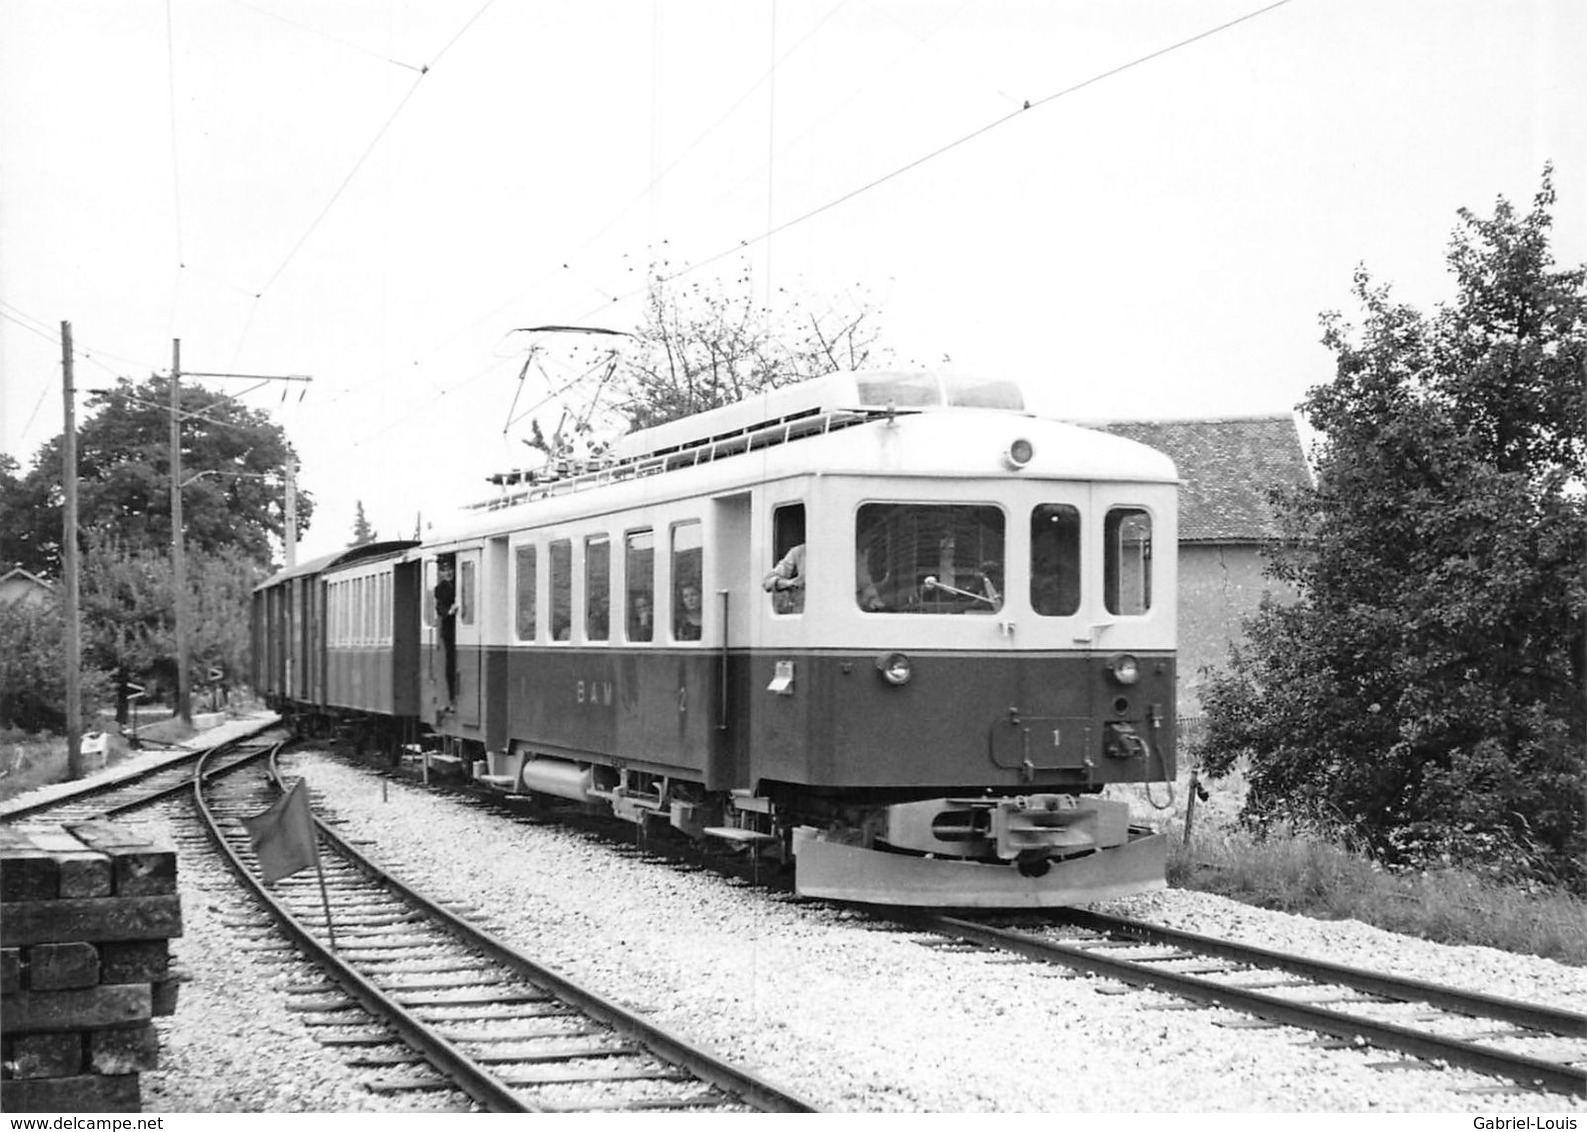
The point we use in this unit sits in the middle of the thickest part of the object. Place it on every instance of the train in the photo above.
(890, 629)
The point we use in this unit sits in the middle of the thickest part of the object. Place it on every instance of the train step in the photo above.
(733, 833)
(507, 783)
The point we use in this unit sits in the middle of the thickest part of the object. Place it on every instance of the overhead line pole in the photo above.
(178, 548)
(184, 708)
(70, 567)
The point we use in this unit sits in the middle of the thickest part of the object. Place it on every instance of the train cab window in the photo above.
(688, 596)
(929, 558)
(561, 590)
(786, 582)
(597, 587)
(1127, 561)
(525, 593)
(639, 579)
(466, 579)
(1055, 560)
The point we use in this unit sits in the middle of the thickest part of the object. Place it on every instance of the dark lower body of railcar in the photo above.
(973, 782)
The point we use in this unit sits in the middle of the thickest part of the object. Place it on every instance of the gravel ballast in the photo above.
(815, 998)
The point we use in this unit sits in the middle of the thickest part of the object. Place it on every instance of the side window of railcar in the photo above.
(929, 558)
(561, 590)
(427, 606)
(1055, 560)
(786, 582)
(525, 618)
(597, 587)
(688, 599)
(1127, 561)
(466, 577)
(639, 579)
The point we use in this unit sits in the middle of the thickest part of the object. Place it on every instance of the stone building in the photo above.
(1227, 467)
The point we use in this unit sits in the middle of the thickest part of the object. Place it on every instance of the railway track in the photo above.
(1346, 1006)
(1349, 1006)
(118, 794)
(425, 1000)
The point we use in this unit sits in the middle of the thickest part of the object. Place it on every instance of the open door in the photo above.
(470, 638)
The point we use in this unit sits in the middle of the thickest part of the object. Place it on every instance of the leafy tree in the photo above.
(129, 626)
(232, 457)
(33, 670)
(363, 533)
(221, 589)
(701, 346)
(126, 613)
(10, 500)
(1424, 694)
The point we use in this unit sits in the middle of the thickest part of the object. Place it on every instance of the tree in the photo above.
(10, 497)
(33, 670)
(1424, 693)
(363, 533)
(126, 613)
(231, 458)
(129, 626)
(701, 346)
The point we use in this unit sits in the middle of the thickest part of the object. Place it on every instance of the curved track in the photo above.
(114, 794)
(436, 1002)
(1441, 1024)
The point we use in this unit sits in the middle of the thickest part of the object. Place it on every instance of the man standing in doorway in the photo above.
(446, 617)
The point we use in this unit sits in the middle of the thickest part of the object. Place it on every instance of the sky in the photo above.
(378, 194)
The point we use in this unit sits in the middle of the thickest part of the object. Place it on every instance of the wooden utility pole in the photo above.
(70, 569)
(184, 707)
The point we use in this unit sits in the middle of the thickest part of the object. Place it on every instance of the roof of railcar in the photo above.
(953, 443)
(343, 557)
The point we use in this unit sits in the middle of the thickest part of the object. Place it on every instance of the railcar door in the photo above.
(470, 638)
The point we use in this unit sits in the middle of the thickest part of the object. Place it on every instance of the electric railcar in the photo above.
(922, 705)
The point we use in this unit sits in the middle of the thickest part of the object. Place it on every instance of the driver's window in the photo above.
(929, 558)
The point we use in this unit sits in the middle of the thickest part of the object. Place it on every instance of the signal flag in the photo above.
(283, 836)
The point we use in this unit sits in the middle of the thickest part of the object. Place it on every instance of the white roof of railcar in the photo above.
(964, 444)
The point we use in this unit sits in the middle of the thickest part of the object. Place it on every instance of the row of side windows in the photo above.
(358, 611)
(602, 592)
(950, 558)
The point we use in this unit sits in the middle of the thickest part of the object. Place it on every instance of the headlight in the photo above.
(1125, 668)
(1019, 454)
(895, 667)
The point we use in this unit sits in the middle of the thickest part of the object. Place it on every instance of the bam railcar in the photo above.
(976, 637)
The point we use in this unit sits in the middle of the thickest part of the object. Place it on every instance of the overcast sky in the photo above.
(376, 193)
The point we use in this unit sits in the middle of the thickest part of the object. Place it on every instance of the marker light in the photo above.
(895, 667)
(1124, 668)
(1019, 454)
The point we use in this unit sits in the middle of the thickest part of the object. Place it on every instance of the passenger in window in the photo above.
(687, 619)
(641, 618)
(786, 582)
(864, 588)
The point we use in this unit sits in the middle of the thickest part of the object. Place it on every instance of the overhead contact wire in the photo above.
(972, 135)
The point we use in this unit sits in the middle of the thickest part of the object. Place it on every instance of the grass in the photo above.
(1294, 871)
(1291, 872)
(28, 761)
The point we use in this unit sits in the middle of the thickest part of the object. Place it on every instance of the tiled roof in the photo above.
(1227, 467)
